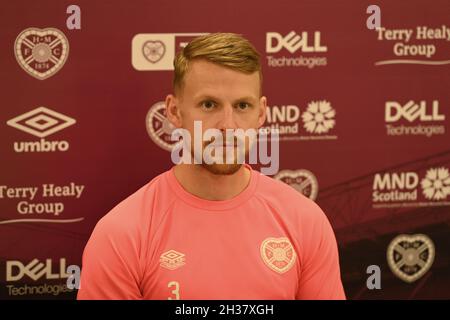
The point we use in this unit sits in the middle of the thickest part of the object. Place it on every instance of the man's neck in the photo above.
(198, 181)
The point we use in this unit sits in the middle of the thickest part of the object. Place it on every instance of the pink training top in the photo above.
(269, 242)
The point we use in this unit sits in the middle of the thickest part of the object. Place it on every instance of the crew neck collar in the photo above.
(215, 205)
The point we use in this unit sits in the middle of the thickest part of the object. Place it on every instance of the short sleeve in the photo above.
(320, 275)
(110, 267)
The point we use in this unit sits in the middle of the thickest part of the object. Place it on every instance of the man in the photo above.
(214, 230)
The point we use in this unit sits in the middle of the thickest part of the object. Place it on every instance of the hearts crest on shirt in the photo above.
(278, 254)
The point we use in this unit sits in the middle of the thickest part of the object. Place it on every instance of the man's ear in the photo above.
(173, 112)
(262, 111)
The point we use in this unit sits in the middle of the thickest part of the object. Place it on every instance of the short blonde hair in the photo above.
(226, 49)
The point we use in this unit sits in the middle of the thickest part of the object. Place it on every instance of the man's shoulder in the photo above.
(273, 188)
(285, 198)
(299, 212)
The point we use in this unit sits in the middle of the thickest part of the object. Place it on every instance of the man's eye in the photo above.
(243, 105)
(208, 104)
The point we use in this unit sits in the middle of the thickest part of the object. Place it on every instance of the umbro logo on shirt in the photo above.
(172, 260)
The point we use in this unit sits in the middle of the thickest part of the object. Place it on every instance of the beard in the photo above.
(230, 163)
(222, 169)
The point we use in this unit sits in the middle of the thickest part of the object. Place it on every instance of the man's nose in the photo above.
(227, 118)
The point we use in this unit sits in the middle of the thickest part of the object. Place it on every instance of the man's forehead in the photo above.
(206, 78)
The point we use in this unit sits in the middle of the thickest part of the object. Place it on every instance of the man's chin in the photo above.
(222, 169)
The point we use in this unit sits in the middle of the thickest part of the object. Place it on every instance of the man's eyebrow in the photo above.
(246, 98)
(210, 97)
(206, 97)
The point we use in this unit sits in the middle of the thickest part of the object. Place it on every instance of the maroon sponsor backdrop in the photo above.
(363, 115)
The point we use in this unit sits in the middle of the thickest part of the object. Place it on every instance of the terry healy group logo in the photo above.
(41, 52)
(295, 49)
(316, 122)
(156, 51)
(41, 122)
(411, 189)
(414, 118)
(40, 204)
(32, 272)
(426, 45)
